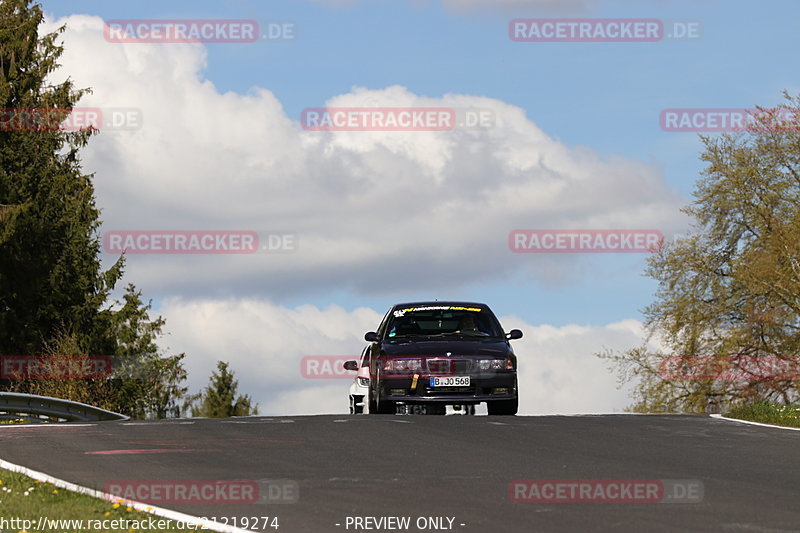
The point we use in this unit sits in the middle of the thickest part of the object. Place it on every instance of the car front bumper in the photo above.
(497, 387)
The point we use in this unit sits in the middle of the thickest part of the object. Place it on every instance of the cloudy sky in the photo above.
(212, 139)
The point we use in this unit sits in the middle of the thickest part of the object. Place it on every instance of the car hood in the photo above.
(491, 348)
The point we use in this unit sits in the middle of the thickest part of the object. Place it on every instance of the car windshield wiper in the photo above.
(422, 335)
(472, 336)
(475, 336)
(402, 338)
(455, 333)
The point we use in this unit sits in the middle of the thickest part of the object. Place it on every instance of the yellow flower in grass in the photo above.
(115, 506)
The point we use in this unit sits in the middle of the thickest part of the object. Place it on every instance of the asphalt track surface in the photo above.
(433, 466)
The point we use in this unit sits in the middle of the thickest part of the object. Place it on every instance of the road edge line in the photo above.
(720, 417)
(144, 507)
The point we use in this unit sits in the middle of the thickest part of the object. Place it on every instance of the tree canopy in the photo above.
(55, 299)
(727, 308)
(219, 399)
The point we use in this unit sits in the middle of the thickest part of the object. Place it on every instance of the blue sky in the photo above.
(600, 97)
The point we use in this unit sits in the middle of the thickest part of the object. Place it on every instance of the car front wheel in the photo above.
(503, 407)
(380, 407)
(384, 407)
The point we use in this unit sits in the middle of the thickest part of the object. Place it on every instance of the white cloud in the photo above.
(407, 211)
(265, 343)
(419, 211)
(422, 209)
(558, 369)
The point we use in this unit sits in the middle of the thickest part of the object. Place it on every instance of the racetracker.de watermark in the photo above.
(197, 31)
(395, 118)
(739, 369)
(198, 242)
(220, 492)
(728, 120)
(407, 366)
(73, 367)
(74, 119)
(597, 30)
(606, 491)
(327, 366)
(56, 367)
(585, 241)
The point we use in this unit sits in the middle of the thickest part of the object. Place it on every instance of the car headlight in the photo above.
(495, 364)
(402, 366)
(364, 382)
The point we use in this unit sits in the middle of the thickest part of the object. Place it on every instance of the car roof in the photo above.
(440, 303)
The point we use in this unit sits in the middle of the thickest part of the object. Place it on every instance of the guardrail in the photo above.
(32, 406)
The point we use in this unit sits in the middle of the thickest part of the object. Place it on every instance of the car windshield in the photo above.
(443, 321)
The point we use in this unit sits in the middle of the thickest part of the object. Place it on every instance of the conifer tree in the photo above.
(219, 399)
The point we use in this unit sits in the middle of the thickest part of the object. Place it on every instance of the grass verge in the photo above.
(767, 413)
(23, 501)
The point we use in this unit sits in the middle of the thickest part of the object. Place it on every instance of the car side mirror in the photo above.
(514, 334)
(371, 336)
(351, 365)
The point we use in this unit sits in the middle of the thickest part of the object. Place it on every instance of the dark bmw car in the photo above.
(427, 355)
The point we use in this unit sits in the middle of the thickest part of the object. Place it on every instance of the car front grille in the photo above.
(449, 366)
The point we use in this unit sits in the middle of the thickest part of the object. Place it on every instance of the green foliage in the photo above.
(767, 413)
(63, 349)
(145, 384)
(142, 382)
(53, 293)
(24, 498)
(50, 278)
(219, 400)
(731, 291)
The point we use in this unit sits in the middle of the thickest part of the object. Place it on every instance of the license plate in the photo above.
(450, 381)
